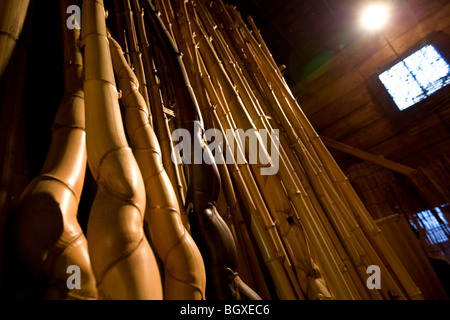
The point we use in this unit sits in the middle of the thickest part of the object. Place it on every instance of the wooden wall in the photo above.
(345, 101)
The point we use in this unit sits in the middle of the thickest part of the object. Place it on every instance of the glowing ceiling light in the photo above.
(375, 16)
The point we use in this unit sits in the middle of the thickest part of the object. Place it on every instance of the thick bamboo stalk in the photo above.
(49, 238)
(12, 18)
(184, 273)
(122, 259)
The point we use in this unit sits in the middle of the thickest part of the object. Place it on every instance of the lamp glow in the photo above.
(375, 16)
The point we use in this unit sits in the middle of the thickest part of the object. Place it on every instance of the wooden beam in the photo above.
(377, 159)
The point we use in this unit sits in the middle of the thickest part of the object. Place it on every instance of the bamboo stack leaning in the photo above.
(257, 208)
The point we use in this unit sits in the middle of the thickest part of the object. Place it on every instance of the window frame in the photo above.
(441, 42)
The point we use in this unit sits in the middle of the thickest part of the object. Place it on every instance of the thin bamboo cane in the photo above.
(136, 54)
(258, 219)
(237, 214)
(350, 197)
(119, 28)
(15, 169)
(161, 125)
(183, 23)
(184, 273)
(246, 124)
(342, 208)
(122, 259)
(12, 18)
(286, 226)
(208, 228)
(273, 101)
(48, 235)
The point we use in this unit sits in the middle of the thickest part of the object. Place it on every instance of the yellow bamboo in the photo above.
(48, 235)
(304, 128)
(207, 226)
(123, 261)
(258, 219)
(184, 273)
(244, 122)
(336, 216)
(160, 125)
(136, 55)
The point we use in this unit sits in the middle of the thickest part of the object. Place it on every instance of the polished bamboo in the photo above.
(48, 236)
(123, 261)
(184, 271)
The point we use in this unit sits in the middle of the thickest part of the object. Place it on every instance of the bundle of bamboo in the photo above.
(284, 225)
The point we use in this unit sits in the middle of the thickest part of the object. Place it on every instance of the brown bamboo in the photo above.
(273, 102)
(184, 273)
(258, 219)
(188, 44)
(123, 261)
(48, 235)
(12, 19)
(257, 118)
(119, 28)
(136, 54)
(160, 125)
(245, 123)
(208, 228)
(15, 171)
(361, 270)
(282, 276)
(300, 127)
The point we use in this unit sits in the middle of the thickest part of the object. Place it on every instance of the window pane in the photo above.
(416, 77)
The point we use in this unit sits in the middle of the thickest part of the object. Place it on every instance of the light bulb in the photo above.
(375, 16)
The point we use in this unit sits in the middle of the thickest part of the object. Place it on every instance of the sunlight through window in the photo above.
(416, 77)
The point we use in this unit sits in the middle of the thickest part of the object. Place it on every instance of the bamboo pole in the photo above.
(184, 273)
(300, 125)
(49, 238)
(183, 23)
(161, 124)
(257, 217)
(136, 55)
(245, 123)
(12, 19)
(15, 172)
(123, 261)
(208, 228)
(345, 189)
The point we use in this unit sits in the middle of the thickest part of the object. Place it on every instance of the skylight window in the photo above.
(416, 77)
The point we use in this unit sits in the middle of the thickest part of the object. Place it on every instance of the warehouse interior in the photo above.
(363, 112)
